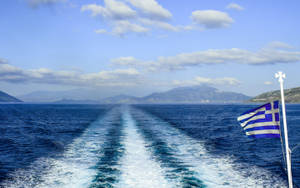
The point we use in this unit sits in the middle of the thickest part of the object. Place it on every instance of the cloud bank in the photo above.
(267, 55)
(136, 16)
(129, 77)
(210, 81)
(117, 77)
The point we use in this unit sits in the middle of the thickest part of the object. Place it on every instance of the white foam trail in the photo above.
(213, 171)
(138, 169)
(74, 169)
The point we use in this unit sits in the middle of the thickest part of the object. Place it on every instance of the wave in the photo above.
(129, 147)
(74, 167)
(213, 170)
(112, 150)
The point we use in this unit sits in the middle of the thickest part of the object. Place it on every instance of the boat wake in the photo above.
(213, 171)
(129, 147)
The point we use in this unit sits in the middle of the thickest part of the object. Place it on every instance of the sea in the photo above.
(140, 146)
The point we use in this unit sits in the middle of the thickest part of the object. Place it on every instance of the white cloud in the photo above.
(123, 19)
(152, 9)
(218, 81)
(187, 27)
(235, 6)
(203, 80)
(95, 10)
(9, 73)
(119, 15)
(100, 31)
(6, 69)
(268, 83)
(130, 61)
(114, 10)
(122, 27)
(125, 61)
(212, 19)
(220, 56)
(108, 75)
(3, 61)
(234, 55)
(279, 45)
(160, 24)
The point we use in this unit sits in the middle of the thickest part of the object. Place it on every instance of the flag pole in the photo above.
(280, 77)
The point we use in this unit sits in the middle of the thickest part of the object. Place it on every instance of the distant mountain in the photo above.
(41, 96)
(121, 99)
(195, 94)
(70, 101)
(181, 95)
(74, 94)
(4, 97)
(291, 96)
(53, 96)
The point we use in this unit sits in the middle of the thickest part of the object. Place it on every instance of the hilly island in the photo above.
(291, 96)
(4, 97)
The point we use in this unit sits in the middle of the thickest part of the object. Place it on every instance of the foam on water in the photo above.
(108, 167)
(74, 167)
(138, 165)
(214, 171)
(138, 169)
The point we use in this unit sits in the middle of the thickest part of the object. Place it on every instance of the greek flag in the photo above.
(262, 122)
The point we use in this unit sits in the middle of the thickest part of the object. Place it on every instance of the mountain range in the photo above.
(182, 95)
(53, 96)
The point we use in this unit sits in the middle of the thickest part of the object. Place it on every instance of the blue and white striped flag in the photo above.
(262, 122)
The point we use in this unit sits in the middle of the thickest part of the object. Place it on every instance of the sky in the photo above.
(138, 47)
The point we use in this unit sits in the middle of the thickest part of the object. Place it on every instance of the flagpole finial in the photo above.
(280, 75)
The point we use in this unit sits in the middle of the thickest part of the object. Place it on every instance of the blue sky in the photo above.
(140, 46)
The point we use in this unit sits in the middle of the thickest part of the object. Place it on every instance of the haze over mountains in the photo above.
(180, 95)
(194, 94)
(52, 96)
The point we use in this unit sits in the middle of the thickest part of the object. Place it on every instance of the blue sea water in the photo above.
(139, 146)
